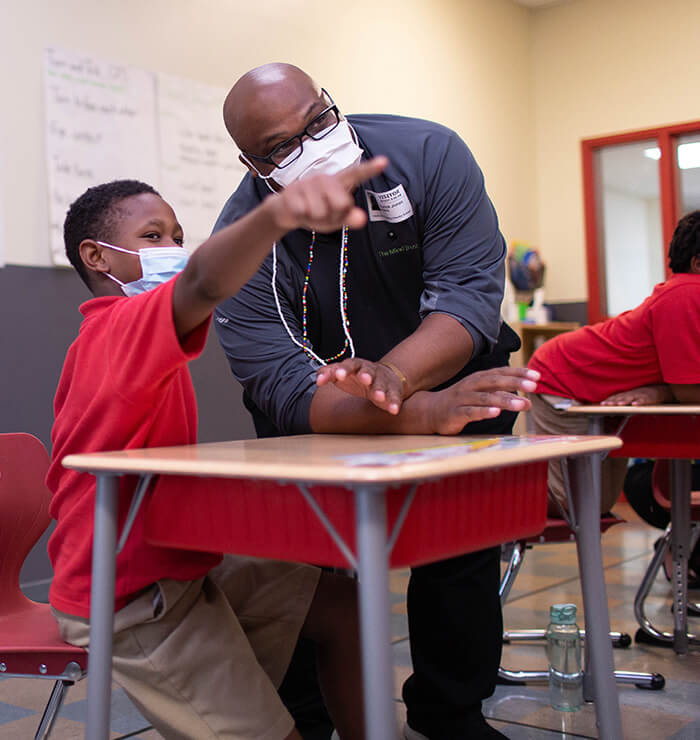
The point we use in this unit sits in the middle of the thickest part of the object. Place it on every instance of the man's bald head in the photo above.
(269, 100)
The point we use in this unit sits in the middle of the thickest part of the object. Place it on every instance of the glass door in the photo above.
(630, 238)
(688, 161)
(636, 187)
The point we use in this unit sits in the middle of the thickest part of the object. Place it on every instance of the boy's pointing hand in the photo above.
(325, 202)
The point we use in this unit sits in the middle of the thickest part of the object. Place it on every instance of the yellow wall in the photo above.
(601, 67)
(464, 63)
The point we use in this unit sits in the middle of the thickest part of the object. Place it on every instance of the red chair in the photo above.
(557, 531)
(30, 644)
(661, 486)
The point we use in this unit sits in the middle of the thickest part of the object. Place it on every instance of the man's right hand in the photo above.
(482, 395)
(324, 202)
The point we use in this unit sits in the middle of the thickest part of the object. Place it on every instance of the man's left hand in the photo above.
(378, 383)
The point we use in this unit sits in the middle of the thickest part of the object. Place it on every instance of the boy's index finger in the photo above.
(354, 176)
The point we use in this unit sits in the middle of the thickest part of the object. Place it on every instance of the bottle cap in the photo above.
(562, 613)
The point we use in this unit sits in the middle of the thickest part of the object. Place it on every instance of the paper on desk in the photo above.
(425, 454)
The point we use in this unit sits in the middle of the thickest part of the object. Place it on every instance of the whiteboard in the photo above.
(100, 125)
(199, 162)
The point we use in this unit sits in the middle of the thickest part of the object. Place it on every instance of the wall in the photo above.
(464, 63)
(601, 67)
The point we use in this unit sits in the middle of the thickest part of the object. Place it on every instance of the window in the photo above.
(636, 187)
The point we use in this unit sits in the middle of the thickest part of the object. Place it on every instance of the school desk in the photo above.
(672, 432)
(367, 502)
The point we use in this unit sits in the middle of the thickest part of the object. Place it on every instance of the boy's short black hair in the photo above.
(94, 216)
(685, 243)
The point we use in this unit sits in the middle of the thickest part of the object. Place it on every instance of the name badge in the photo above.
(392, 205)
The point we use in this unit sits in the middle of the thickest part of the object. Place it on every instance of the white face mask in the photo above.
(158, 265)
(326, 156)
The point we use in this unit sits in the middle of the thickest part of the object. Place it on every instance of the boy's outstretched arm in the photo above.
(229, 258)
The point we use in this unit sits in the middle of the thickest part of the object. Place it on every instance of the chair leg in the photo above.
(652, 681)
(512, 569)
(618, 639)
(53, 707)
(647, 633)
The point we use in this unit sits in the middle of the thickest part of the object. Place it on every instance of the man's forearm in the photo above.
(436, 351)
(335, 412)
(481, 395)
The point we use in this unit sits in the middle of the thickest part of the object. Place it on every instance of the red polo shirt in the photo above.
(124, 384)
(657, 342)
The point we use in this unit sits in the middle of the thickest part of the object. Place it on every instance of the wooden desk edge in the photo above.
(659, 409)
(336, 471)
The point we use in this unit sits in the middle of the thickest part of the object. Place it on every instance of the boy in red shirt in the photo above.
(201, 643)
(648, 355)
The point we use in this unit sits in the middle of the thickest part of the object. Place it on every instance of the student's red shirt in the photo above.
(124, 384)
(657, 342)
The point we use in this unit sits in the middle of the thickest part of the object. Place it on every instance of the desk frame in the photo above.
(373, 548)
(681, 474)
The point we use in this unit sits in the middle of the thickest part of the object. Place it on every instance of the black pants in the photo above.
(455, 632)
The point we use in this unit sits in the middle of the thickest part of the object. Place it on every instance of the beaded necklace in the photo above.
(305, 344)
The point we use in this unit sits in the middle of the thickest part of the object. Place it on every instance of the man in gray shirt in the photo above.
(416, 294)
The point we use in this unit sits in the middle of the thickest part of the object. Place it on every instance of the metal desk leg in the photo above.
(102, 607)
(585, 490)
(680, 543)
(375, 609)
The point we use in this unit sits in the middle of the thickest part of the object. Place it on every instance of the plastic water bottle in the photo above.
(564, 654)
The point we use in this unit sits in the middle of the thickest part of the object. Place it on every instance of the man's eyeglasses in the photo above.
(290, 150)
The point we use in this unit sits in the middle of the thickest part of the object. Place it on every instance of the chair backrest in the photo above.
(661, 486)
(24, 510)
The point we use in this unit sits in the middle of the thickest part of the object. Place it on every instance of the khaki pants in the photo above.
(545, 419)
(203, 659)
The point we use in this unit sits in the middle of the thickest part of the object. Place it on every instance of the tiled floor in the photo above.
(549, 575)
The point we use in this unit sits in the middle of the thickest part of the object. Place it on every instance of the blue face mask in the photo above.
(158, 265)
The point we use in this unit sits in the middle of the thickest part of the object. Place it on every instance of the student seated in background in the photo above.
(648, 355)
(201, 643)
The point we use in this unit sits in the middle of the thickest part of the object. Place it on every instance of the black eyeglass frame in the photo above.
(268, 159)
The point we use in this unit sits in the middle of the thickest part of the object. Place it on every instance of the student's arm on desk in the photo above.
(689, 393)
(646, 395)
(481, 395)
(650, 395)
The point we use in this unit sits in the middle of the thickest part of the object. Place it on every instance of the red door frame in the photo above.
(668, 188)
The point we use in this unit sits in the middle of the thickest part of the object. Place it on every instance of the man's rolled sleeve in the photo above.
(463, 248)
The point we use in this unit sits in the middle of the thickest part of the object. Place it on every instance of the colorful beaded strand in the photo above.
(343, 294)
